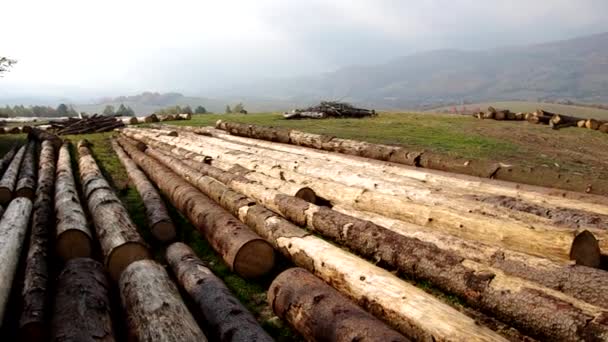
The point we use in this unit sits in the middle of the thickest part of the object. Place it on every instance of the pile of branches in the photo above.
(93, 124)
(330, 109)
(554, 120)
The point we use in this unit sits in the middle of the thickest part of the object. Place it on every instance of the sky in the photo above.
(120, 47)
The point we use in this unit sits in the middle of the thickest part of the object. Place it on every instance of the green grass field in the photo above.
(525, 106)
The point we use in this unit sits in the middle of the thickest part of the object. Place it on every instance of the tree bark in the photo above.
(26, 185)
(73, 236)
(543, 240)
(120, 242)
(592, 124)
(241, 249)
(40, 135)
(584, 283)
(155, 310)
(32, 325)
(320, 313)
(82, 305)
(159, 222)
(7, 158)
(479, 285)
(559, 121)
(227, 320)
(13, 229)
(10, 177)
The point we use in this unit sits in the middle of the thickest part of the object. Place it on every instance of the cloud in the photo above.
(117, 46)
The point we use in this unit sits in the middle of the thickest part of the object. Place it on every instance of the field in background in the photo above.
(523, 106)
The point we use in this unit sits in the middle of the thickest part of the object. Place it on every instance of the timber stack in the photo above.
(430, 226)
(92, 124)
(329, 109)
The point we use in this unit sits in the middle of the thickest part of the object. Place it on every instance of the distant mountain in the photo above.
(574, 69)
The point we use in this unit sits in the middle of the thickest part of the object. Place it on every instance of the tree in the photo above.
(109, 110)
(5, 64)
(228, 110)
(187, 110)
(200, 110)
(124, 111)
(62, 110)
(239, 108)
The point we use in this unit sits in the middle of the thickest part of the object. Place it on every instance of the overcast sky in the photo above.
(116, 47)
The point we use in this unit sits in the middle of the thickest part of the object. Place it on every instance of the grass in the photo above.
(529, 106)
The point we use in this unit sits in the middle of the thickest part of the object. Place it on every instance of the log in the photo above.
(185, 116)
(241, 249)
(13, 229)
(559, 121)
(155, 310)
(603, 128)
(26, 129)
(10, 177)
(500, 115)
(592, 124)
(158, 218)
(40, 135)
(377, 290)
(226, 318)
(581, 123)
(82, 306)
(26, 184)
(120, 242)
(73, 235)
(584, 283)
(151, 118)
(320, 313)
(544, 240)
(7, 158)
(109, 127)
(34, 317)
(15, 130)
(481, 286)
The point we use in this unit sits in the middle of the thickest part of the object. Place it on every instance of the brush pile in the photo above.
(554, 120)
(92, 124)
(329, 109)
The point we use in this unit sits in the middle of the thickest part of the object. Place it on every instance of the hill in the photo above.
(573, 69)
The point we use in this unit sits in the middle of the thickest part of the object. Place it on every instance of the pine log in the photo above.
(151, 118)
(35, 296)
(500, 115)
(155, 310)
(242, 250)
(320, 313)
(73, 236)
(7, 158)
(120, 242)
(581, 123)
(479, 285)
(26, 129)
(40, 135)
(390, 179)
(543, 240)
(10, 177)
(584, 283)
(159, 221)
(13, 229)
(559, 121)
(603, 128)
(184, 116)
(592, 124)
(15, 130)
(226, 318)
(82, 305)
(26, 184)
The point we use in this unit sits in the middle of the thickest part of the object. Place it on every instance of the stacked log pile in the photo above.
(92, 124)
(329, 109)
(407, 220)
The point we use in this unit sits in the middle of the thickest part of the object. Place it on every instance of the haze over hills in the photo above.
(575, 69)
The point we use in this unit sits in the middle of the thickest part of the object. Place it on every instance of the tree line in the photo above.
(122, 110)
(38, 111)
(181, 110)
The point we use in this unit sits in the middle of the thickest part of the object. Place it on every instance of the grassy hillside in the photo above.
(528, 106)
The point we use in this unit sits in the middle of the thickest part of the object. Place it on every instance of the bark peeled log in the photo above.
(7, 158)
(320, 313)
(159, 222)
(82, 304)
(242, 250)
(26, 185)
(592, 124)
(10, 177)
(13, 229)
(225, 317)
(120, 241)
(41, 136)
(32, 325)
(155, 310)
(73, 239)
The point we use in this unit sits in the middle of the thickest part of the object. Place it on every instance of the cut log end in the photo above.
(122, 256)
(586, 250)
(254, 259)
(163, 231)
(73, 244)
(6, 195)
(307, 194)
(25, 192)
